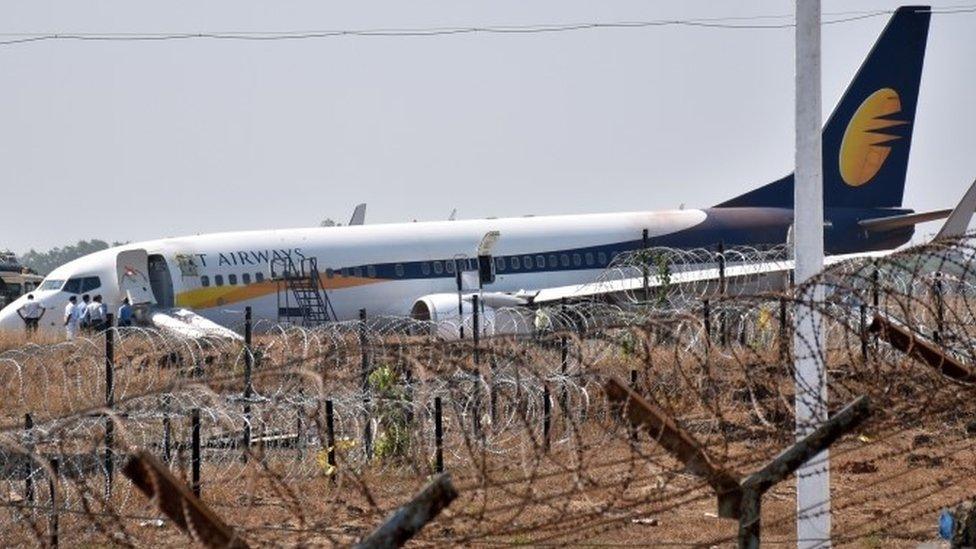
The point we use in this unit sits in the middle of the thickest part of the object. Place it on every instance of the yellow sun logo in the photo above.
(864, 148)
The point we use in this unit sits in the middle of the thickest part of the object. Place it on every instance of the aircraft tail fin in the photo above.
(867, 138)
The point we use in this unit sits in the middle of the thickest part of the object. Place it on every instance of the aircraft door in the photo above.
(161, 281)
(132, 268)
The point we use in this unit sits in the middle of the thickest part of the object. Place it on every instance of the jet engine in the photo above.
(499, 314)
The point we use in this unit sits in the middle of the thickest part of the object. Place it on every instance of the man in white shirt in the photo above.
(97, 314)
(31, 313)
(72, 317)
(83, 320)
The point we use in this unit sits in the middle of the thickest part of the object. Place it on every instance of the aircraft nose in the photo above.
(9, 321)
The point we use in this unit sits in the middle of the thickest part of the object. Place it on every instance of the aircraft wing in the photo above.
(760, 276)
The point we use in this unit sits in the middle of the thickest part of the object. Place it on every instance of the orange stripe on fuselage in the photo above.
(219, 296)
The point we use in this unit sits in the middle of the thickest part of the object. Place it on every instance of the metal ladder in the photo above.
(302, 284)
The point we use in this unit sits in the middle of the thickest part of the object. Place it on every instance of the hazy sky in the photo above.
(140, 140)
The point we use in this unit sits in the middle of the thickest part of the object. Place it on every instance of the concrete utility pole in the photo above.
(813, 478)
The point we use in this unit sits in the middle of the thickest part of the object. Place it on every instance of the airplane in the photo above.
(420, 268)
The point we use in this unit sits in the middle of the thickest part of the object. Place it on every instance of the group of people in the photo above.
(88, 316)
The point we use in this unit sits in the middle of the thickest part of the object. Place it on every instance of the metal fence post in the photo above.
(365, 371)
(939, 308)
(546, 417)
(330, 440)
(438, 436)
(109, 403)
(195, 450)
(707, 318)
(864, 332)
(645, 271)
(29, 443)
(167, 430)
(248, 387)
(53, 521)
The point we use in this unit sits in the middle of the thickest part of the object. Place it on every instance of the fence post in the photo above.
(492, 391)
(195, 451)
(365, 371)
(633, 387)
(29, 444)
(721, 268)
(438, 436)
(475, 327)
(300, 432)
(407, 520)
(53, 522)
(167, 430)
(564, 358)
(109, 403)
(752, 488)
(864, 332)
(939, 308)
(248, 387)
(645, 271)
(330, 440)
(784, 342)
(476, 397)
(707, 318)
(546, 417)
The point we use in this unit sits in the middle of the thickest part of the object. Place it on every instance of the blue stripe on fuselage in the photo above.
(758, 227)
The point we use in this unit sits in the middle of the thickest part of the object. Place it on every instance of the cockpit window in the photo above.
(82, 284)
(50, 284)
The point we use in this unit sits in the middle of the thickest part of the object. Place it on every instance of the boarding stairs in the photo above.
(300, 292)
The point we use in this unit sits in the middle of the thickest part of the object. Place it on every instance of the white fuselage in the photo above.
(382, 268)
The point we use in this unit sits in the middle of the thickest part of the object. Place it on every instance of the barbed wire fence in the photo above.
(603, 421)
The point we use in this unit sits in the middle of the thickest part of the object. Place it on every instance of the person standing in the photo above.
(125, 314)
(31, 313)
(83, 319)
(72, 317)
(97, 314)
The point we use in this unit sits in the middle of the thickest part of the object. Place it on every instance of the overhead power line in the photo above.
(735, 23)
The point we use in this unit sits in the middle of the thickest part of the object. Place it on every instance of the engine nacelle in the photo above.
(500, 314)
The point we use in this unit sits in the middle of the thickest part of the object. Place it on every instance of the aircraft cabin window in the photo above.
(357, 271)
(232, 280)
(205, 281)
(589, 259)
(601, 258)
(259, 277)
(438, 267)
(425, 267)
(399, 270)
(51, 285)
(499, 263)
(345, 271)
(564, 260)
(577, 260)
(553, 262)
(540, 261)
(527, 261)
(516, 264)
(371, 271)
(246, 278)
(219, 280)
(329, 273)
(449, 266)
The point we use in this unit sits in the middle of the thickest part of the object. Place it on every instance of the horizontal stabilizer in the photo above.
(958, 222)
(899, 221)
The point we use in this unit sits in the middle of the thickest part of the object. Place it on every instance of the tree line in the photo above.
(43, 262)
